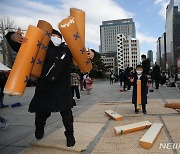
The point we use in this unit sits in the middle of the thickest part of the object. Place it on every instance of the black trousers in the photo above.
(157, 83)
(76, 89)
(67, 118)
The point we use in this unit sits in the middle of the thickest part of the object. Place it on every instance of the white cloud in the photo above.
(163, 4)
(26, 12)
(147, 42)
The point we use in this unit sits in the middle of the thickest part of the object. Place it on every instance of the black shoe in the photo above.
(39, 133)
(70, 141)
(3, 106)
(144, 112)
(136, 111)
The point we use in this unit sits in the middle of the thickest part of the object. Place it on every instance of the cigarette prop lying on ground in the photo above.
(150, 136)
(114, 115)
(132, 127)
(173, 105)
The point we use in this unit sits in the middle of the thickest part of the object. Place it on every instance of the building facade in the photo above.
(128, 52)
(163, 52)
(150, 55)
(109, 30)
(158, 51)
(109, 61)
(172, 33)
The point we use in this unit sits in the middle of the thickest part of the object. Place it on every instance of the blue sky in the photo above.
(148, 15)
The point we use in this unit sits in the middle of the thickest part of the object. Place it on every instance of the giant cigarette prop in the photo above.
(114, 115)
(150, 136)
(23, 64)
(173, 105)
(71, 35)
(139, 101)
(47, 29)
(132, 127)
(79, 16)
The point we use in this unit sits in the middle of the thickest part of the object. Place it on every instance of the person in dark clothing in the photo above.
(53, 88)
(144, 88)
(145, 64)
(156, 75)
(81, 80)
(111, 78)
(3, 79)
(163, 78)
(75, 82)
(121, 77)
(126, 79)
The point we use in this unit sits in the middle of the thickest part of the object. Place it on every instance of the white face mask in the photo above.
(139, 72)
(56, 40)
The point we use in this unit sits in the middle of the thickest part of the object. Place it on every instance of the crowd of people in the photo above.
(150, 77)
(155, 76)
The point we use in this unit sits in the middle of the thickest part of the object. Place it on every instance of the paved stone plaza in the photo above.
(93, 129)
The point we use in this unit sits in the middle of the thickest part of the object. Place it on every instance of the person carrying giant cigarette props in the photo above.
(53, 89)
(139, 93)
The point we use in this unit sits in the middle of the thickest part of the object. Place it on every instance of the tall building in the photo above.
(109, 30)
(128, 52)
(150, 55)
(172, 33)
(163, 52)
(158, 51)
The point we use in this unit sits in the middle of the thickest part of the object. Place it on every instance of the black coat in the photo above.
(156, 72)
(146, 66)
(144, 89)
(53, 89)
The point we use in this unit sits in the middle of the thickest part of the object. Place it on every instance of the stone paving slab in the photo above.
(126, 108)
(129, 143)
(173, 126)
(97, 113)
(90, 122)
(84, 134)
(44, 150)
(11, 150)
(31, 138)
(156, 106)
(15, 134)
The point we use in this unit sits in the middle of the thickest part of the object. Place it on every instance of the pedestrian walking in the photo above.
(89, 84)
(111, 78)
(75, 83)
(156, 75)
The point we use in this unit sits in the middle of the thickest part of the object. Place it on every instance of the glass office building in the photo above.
(109, 29)
(173, 33)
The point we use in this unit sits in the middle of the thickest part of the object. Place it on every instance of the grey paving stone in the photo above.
(21, 129)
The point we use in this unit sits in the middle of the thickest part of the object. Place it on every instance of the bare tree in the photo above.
(6, 24)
